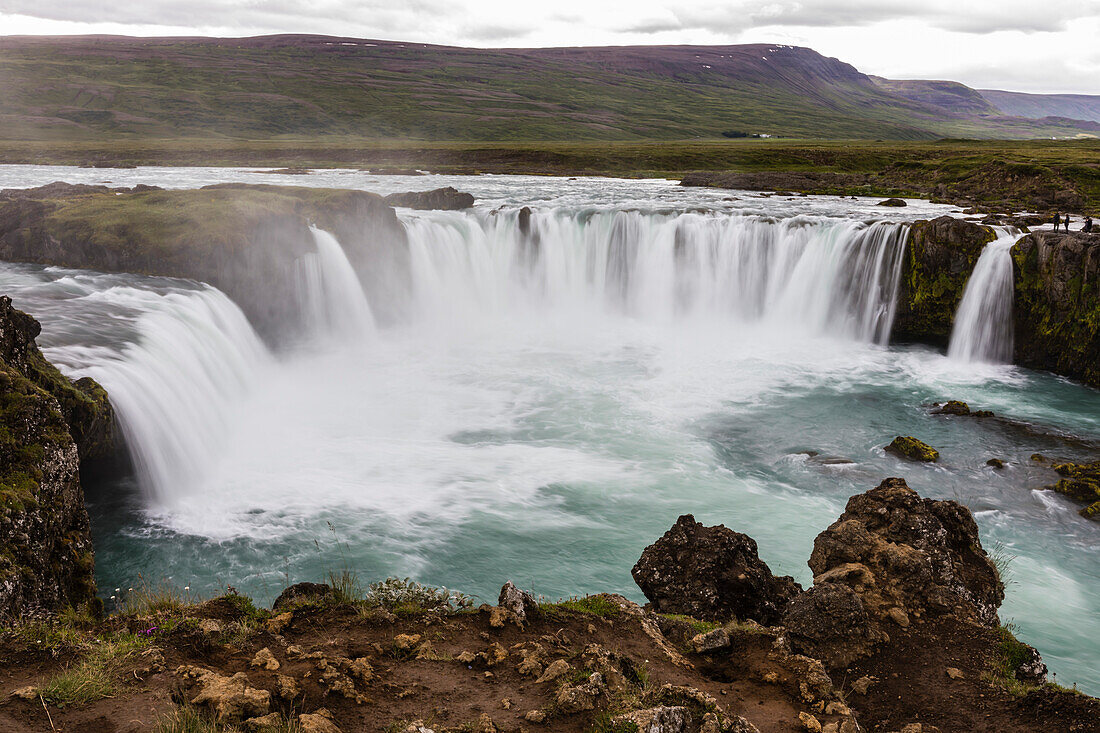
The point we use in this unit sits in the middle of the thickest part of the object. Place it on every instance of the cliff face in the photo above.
(939, 258)
(242, 239)
(48, 425)
(1057, 308)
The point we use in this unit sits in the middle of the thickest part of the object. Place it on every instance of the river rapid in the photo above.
(557, 394)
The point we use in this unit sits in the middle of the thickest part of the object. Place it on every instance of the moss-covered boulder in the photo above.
(1057, 305)
(46, 559)
(913, 449)
(939, 258)
(243, 239)
(1080, 482)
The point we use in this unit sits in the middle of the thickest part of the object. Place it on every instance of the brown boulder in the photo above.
(898, 550)
(828, 622)
(711, 573)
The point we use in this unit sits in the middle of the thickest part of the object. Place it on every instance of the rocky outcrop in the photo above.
(1057, 304)
(303, 593)
(243, 239)
(445, 199)
(939, 258)
(46, 559)
(711, 573)
(1081, 483)
(907, 556)
(908, 447)
(829, 622)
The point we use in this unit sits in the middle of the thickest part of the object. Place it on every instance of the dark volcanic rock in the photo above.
(302, 592)
(901, 552)
(711, 573)
(939, 258)
(828, 622)
(46, 560)
(1057, 304)
(447, 199)
(892, 202)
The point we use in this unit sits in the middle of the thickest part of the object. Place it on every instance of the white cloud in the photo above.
(1016, 44)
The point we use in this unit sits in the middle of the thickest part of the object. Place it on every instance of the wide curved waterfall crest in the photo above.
(180, 386)
(828, 277)
(983, 329)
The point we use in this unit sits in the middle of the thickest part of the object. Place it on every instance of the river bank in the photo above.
(995, 175)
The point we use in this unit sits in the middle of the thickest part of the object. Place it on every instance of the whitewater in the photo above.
(557, 393)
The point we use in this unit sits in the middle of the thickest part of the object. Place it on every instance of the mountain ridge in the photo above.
(88, 87)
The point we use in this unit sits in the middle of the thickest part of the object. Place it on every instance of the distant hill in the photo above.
(106, 87)
(1075, 106)
(951, 96)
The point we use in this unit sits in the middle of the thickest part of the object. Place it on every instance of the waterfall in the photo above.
(983, 329)
(330, 292)
(176, 387)
(180, 386)
(822, 276)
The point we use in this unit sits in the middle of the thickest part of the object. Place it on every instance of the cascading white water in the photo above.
(331, 294)
(180, 387)
(177, 387)
(983, 330)
(834, 277)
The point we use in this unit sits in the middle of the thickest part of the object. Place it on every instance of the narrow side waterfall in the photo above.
(176, 388)
(823, 276)
(331, 294)
(983, 330)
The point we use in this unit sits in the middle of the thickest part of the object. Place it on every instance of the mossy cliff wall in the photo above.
(939, 258)
(47, 425)
(242, 239)
(1057, 308)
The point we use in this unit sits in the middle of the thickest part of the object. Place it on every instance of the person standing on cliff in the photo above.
(1087, 228)
(1066, 223)
(1057, 219)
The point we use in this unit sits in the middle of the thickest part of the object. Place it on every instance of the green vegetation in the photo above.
(94, 676)
(695, 625)
(81, 88)
(598, 605)
(189, 719)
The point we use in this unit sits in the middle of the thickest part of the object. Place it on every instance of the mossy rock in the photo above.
(939, 258)
(912, 449)
(1081, 483)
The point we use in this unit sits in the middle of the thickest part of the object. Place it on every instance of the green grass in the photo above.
(591, 605)
(133, 89)
(94, 676)
(189, 719)
(697, 626)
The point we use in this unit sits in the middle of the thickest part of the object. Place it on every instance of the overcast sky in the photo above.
(1024, 45)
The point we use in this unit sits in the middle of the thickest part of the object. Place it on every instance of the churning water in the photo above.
(562, 390)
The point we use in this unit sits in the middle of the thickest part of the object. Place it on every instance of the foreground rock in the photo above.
(246, 240)
(46, 560)
(1057, 304)
(446, 199)
(898, 620)
(711, 573)
(908, 557)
